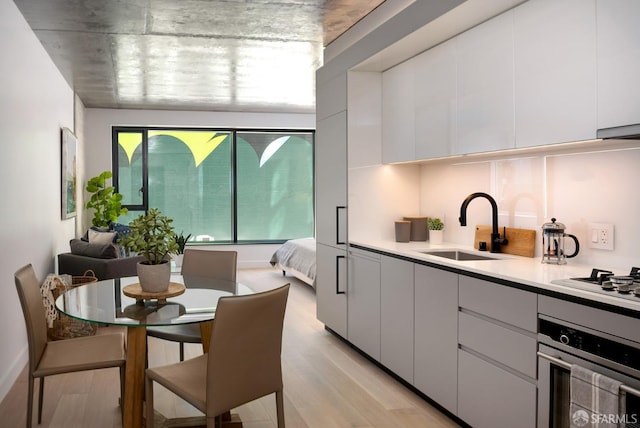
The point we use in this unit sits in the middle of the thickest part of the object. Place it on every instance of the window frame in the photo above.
(144, 130)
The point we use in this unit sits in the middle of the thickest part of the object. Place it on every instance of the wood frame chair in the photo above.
(48, 358)
(243, 362)
(214, 264)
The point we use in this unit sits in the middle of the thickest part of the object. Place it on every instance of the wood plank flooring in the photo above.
(326, 383)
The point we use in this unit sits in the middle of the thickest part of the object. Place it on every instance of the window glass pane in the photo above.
(190, 181)
(130, 167)
(274, 185)
(190, 178)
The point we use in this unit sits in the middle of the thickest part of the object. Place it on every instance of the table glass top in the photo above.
(104, 302)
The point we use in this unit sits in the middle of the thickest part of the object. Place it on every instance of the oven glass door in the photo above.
(555, 394)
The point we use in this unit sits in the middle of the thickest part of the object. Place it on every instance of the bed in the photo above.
(297, 257)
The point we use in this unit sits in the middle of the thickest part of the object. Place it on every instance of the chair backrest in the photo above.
(246, 343)
(215, 264)
(34, 313)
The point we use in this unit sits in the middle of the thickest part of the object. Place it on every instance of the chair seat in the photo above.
(188, 333)
(187, 379)
(82, 353)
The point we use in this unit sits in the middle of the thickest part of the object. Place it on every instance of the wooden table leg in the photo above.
(205, 334)
(134, 377)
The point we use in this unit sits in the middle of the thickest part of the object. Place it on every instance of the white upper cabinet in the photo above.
(331, 96)
(618, 62)
(435, 101)
(364, 106)
(555, 76)
(485, 87)
(398, 134)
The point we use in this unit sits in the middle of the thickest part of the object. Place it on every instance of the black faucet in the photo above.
(496, 241)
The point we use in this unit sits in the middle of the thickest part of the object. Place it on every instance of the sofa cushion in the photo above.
(96, 237)
(100, 251)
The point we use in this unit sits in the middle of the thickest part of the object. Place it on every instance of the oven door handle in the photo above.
(559, 362)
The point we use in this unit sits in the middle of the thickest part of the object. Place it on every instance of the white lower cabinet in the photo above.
(396, 316)
(436, 335)
(491, 397)
(363, 302)
(497, 356)
(331, 284)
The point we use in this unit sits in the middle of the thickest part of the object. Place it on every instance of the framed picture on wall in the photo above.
(69, 190)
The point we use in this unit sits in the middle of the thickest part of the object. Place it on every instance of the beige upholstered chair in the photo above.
(48, 358)
(214, 264)
(243, 362)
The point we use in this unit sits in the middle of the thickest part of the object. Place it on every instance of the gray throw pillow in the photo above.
(101, 237)
(88, 249)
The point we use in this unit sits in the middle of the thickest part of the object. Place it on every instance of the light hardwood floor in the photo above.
(326, 383)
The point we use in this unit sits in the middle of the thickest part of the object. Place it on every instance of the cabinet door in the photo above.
(331, 180)
(436, 335)
(398, 129)
(618, 62)
(331, 96)
(491, 397)
(363, 302)
(331, 283)
(435, 101)
(396, 316)
(485, 87)
(555, 81)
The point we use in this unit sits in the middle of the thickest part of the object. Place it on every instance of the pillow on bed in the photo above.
(88, 249)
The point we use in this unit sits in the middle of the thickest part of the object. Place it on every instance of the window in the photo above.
(219, 185)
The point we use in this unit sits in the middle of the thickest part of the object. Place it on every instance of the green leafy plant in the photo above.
(181, 240)
(151, 236)
(106, 202)
(434, 223)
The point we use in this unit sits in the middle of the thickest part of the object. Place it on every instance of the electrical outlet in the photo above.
(600, 236)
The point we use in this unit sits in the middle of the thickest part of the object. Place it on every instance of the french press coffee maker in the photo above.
(553, 243)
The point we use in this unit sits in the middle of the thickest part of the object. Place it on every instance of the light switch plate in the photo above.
(600, 236)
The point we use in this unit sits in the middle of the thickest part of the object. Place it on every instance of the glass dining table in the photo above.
(108, 303)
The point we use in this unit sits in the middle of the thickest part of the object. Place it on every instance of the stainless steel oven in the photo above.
(563, 344)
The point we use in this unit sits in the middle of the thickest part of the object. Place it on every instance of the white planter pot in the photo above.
(435, 237)
(154, 278)
(177, 259)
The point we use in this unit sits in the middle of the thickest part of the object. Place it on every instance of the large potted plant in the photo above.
(152, 237)
(106, 202)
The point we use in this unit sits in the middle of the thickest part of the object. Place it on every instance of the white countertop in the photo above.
(522, 270)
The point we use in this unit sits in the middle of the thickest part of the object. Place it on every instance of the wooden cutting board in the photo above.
(522, 242)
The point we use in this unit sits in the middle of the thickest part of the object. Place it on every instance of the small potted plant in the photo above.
(106, 202)
(435, 226)
(152, 236)
(181, 240)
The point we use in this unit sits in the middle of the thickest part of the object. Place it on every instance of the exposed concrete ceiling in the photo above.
(223, 55)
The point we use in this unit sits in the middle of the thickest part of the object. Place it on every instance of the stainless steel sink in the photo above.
(459, 255)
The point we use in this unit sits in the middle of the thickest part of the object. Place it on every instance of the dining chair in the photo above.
(243, 362)
(214, 264)
(47, 357)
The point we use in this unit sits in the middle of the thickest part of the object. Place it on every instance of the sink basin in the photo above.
(459, 255)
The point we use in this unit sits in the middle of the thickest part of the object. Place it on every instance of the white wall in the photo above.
(35, 103)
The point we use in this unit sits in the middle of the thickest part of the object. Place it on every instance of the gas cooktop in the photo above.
(605, 282)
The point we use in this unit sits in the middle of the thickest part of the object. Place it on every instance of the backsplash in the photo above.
(576, 188)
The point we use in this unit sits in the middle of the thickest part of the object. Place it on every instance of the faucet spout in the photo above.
(496, 241)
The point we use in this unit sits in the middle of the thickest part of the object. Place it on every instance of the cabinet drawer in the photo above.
(489, 397)
(500, 302)
(499, 343)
